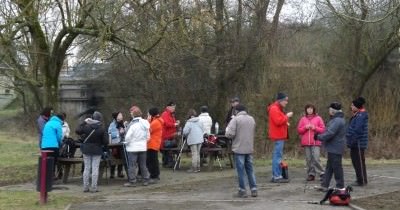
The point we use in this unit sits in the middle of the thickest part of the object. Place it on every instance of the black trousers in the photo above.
(358, 160)
(152, 164)
(333, 167)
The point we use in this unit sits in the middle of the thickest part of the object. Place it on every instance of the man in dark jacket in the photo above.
(92, 148)
(357, 140)
(333, 140)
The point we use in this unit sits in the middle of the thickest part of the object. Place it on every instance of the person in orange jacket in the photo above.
(154, 144)
(278, 122)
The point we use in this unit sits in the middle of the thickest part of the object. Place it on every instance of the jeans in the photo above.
(92, 164)
(244, 163)
(333, 167)
(277, 158)
(133, 159)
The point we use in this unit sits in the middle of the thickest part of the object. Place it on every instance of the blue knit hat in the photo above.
(281, 96)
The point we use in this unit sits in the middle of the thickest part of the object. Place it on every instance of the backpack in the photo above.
(210, 141)
(68, 148)
(338, 197)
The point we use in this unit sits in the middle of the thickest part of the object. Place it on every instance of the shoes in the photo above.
(152, 181)
(192, 170)
(95, 191)
(280, 180)
(130, 184)
(112, 177)
(310, 178)
(242, 194)
(321, 188)
(145, 183)
(355, 183)
(121, 175)
(86, 190)
(254, 193)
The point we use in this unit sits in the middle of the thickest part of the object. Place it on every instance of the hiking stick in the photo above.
(180, 153)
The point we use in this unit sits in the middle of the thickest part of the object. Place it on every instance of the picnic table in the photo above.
(68, 163)
(212, 153)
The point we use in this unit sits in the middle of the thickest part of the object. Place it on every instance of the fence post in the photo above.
(43, 176)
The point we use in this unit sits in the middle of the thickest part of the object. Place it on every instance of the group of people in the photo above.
(143, 139)
(313, 134)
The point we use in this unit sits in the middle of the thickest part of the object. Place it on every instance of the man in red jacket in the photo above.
(278, 123)
(169, 133)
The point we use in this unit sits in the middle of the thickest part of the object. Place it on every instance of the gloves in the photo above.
(315, 136)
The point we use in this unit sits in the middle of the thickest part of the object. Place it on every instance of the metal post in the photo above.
(43, 175)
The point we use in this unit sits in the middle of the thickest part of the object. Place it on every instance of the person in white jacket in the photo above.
(193, 131)
(205, 120)
(136, 146)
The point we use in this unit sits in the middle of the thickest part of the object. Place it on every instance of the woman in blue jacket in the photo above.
(357, 140)
(52, 135)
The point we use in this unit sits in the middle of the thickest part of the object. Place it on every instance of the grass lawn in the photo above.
(19, 158)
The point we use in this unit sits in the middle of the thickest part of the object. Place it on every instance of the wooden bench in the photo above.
(68, 162)
(212, 153)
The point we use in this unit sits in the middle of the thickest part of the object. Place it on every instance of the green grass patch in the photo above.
(7, 113)
(19, 157)
(19, 200)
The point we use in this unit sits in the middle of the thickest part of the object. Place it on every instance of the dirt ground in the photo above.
(216, 190)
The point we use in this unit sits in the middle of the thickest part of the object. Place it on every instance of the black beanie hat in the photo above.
(154, 111)
(281, 96)
(240, 108)
(359, 102)
(335, 106)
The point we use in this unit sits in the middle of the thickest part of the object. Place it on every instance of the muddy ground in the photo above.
(216, 189)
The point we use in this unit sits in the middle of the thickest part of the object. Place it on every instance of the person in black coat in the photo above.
(92, 148)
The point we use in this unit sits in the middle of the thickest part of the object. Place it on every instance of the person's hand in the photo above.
(307, 126)
(289, 114)
(177, 123)
(312, 127)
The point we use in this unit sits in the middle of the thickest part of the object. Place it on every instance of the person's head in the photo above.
(310, 109)
(240, 108)
(154, 112)
(282, 99)
(171, 106)
(203, 109)
(191, 113)
(117, 116)
(334, 108)
(235, 101)
(357, 104)
(135, 111)
(47, 111)
(97, 116)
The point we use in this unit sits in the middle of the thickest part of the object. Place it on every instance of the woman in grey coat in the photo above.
(193, 131)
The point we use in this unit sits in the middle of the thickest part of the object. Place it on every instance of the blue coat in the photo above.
(333, 139)
(52, 133)
(357, 132)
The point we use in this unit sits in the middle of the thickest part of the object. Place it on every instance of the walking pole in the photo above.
(180, 152)
(126, 158)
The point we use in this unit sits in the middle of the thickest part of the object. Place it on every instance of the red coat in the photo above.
(307, 135)
(169, 128)
(277, 122)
